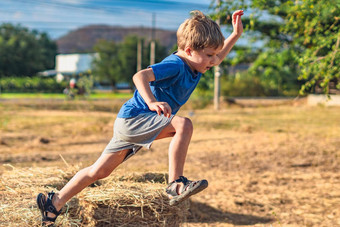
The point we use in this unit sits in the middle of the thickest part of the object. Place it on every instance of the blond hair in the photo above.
(199, 32)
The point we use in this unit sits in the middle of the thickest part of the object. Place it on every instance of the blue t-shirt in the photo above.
(174, 82)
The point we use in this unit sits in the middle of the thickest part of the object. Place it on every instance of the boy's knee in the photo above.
(186, 125)
(97, 174)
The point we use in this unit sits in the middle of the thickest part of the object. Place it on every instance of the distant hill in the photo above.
(83, 39)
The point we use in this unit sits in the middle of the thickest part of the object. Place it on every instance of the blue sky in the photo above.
(57, 17)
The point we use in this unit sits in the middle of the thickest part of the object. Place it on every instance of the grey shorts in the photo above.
(136, 132)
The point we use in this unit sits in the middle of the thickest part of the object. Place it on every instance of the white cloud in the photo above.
(17, 15)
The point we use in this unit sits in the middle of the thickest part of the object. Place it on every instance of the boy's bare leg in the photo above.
(102, 168)
(181, 130)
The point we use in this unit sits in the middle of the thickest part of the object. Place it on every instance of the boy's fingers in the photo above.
(165, 111)
(162, 108)
(236, 13)
(169, 112)
(158, 110)
(234, 17)
(237, 19)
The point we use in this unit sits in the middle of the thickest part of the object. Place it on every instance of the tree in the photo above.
(107, 66)
(118, 62)
(128, 58)
(160, 53)
(299, 41)
(24, 52)
(314, 26)
(267, 46)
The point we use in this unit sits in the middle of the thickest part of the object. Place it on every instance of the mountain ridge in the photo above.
(83, 39)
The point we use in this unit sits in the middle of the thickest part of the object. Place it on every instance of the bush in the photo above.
(246, 84)
(204, 93)
(30, 85)
(242, 85)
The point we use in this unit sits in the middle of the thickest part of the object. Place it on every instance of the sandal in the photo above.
(46, 205)
(189, 188)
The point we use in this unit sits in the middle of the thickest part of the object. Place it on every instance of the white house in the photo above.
(73, 64)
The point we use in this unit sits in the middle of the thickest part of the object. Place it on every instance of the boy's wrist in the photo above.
(149, 101)
(236, 35)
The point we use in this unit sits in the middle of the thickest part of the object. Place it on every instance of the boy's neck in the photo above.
(184, 57)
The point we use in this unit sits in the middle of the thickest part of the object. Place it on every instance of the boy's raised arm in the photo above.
(231, 40)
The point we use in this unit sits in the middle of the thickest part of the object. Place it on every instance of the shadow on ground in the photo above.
(203, 213)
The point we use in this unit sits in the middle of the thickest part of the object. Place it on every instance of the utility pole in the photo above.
(139, 54)
(153, 44)
(217, 70)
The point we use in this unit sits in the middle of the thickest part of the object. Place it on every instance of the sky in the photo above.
(58, 17)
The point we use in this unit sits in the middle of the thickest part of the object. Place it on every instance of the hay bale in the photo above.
(130, 203)
(146, 177)
(130, 200)
(19, 188)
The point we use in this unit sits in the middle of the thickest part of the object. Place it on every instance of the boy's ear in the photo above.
(188, 50)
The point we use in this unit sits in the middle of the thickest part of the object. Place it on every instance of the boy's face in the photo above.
(203, 60)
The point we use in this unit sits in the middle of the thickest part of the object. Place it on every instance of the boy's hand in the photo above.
(237, 22)
(160, 107)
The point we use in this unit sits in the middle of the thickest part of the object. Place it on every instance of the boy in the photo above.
(161, 90)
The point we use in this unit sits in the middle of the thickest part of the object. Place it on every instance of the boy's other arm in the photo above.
(231, 40)
(141, 80)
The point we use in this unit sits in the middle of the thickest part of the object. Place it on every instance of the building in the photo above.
(71, 65)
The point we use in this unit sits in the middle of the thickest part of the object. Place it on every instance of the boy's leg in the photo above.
(102, 168)
(181, 129)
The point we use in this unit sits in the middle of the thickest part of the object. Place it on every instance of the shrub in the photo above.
(30, 85)
(242, 85)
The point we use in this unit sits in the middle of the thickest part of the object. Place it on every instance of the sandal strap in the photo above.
(172, 187)
(180, 179)
(49, 207)
(48, 219)
(187, 184)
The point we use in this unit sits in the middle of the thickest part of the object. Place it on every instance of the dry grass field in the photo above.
(273, 165)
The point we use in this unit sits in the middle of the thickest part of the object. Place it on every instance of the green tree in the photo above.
(107, 67)
(277, 72)
(128, 58)
(267, 49)
(160, 53)
(314, 26)
(299, 41)
(128, 55)
(24, 52)
(118, 62)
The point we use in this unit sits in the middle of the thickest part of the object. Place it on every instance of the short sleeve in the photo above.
(164, 72)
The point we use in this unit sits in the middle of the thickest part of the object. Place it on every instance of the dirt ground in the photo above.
(272, 165)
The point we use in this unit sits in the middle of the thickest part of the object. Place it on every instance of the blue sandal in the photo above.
(189, 188)
(45, 206)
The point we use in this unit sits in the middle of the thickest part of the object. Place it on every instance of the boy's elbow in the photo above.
(139, 74)
(134, 77)
(145, 75)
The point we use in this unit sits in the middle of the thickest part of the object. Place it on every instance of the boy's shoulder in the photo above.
(173, 58)
(169, 63)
